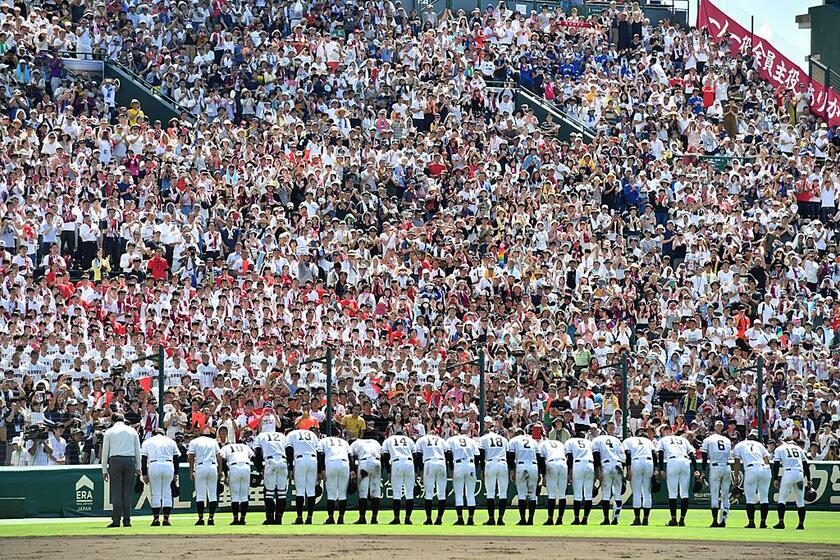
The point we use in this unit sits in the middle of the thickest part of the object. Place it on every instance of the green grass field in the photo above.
(821, 527)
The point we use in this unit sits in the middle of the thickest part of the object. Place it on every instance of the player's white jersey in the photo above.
(579, 448)
(718, 448)
(334, 449)
(236, 453)
(552, 450)
(524, 448)
(639, 448)
(675, 447)
(433, 448)
(750, 452)
(495, 447)
(204, 449)
(159, 448)
(399, 447)
(273, 444)
(610, 449)
(790, 456)
(303, 442)
(463, 448)
(366, 449)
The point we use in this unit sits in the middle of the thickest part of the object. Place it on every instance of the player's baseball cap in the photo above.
(488, 419)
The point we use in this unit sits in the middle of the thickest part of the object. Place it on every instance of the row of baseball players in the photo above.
(304, 457)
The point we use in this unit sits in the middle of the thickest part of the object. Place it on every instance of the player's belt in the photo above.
(526, 463)
(752, 465)
(583, 460)
(463, 460)
(643, 459)
(238, 464)
(678, 457)
(337, 460)
(793, 469)
(162, 461)
(304, 455)
(208, 463)
(433, 460)
(274, 457)
(720, 464)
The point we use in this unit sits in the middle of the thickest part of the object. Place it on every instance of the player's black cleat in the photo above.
(636, 522)
(681, 523)
(268, 522)
(126, 524)
(395, 521)
(714, 524)
(298, 521)
(308, 521)
(155, 523)
(605, 522)
(521, 522)
(644, 522)
(360, 521)
(459, 522)
(800, 527)
(615, 521)
(779, 525)
(211, 522)
(429, 522)
(329, 521)
(749, 526)
(200, 522)
(166, 523)
(438, 521)
(576, 522)
(763, 525)
(673, 523)
(584, 521)
(470, 521)
(549, 521)
(408, 522)
(722, 524)
(490, 521)
(235, 522)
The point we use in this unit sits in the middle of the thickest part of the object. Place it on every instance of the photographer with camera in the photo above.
(37, 445)
(93, 444)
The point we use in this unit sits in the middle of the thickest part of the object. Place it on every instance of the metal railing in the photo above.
(823, 74)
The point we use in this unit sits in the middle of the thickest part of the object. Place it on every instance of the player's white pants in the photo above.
(370, 486)
(161, 474)
(206, 477)
(641, 473)
(526, 481)
(678, 475)
(720, 479)
(757, 481)
(793, 480)
(337, 474)
(612, 476)
(306, 474)
(239, 477)
(276, 478)
(402, 479)
(463, 482)
(496, 480)
(583, 477)
(434, 479)
(556, 479)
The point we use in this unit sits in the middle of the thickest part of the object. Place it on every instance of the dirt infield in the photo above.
(370, 548)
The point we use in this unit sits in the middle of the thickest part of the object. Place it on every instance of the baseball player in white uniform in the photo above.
(676, 455)
(304, 444)
(789, 460)
(368, 457)
(463, 450)
(642, 462)
(159, 455)
(492, 451)
(581, 463)
(551, 454)
(273, 455)
(609, 467)
(334, 458)
(432, 449)
(237, 457)
(398, 455)
(716, 450)
(205, 460)
(757, 475)
(523, 448)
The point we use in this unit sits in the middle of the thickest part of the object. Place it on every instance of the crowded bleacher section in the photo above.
(360, 176)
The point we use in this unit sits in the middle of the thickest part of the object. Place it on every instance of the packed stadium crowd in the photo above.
(358, 175)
